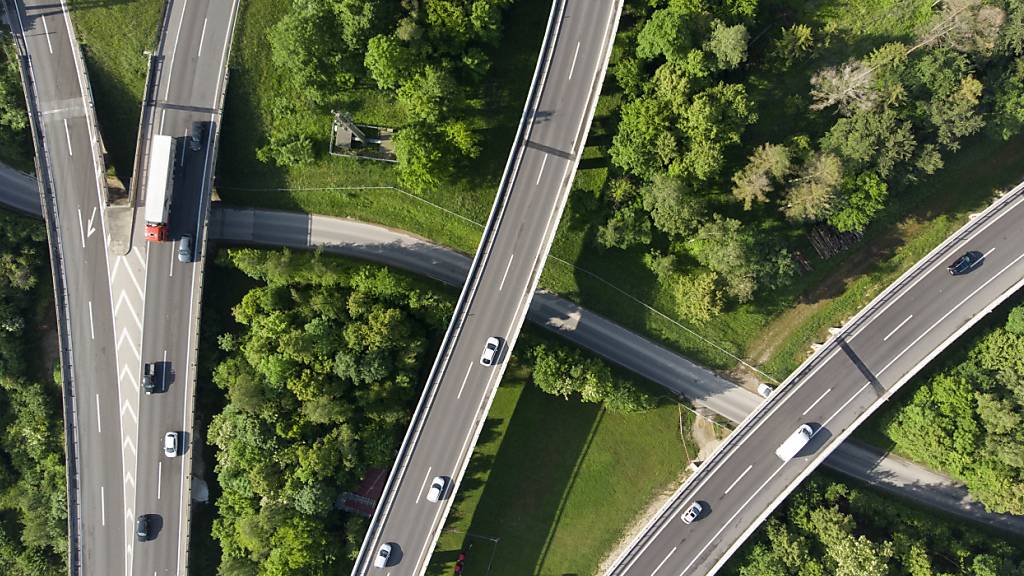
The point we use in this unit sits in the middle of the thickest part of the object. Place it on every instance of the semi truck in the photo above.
(159, 183)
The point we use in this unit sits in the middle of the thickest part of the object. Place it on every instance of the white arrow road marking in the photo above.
(92, 230)
(128, 406)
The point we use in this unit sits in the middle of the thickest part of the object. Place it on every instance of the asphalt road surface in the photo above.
(68, 133)
(192, 58)
(496, 304)
(879, 350)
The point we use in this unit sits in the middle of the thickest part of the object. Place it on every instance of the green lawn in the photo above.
(553, 484)
(114, 36)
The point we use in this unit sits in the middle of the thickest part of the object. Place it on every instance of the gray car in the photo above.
(185, 249)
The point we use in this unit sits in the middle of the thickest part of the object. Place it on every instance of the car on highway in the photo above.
(149, 378)
(437, 486)
(491, 349)
(195, 136)
(171, 444)
(795, 443)
(382, 557)
(965, 263)
(765, 390)
(142, 526)
(692, 513)
(185, 249)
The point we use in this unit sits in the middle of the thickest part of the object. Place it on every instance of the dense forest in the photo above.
(744, 124)
(830, 528)
(33, 495)
(431, 56)
(15, 143)
(968, 418)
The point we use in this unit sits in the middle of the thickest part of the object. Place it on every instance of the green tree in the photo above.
(793, 44)
(388, 61)
(767, 166)
(635, 147)
(871, 140)
(628, 226)
(813, 193)
(861, 198)
(698, 298)
(716, 119)
(728, 44)
(429, 95)
(675, 209)
(665, 34)
(726, 247)
(1008, 107)
(422, 161)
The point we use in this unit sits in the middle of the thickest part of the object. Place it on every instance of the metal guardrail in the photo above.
(56, 248)
(479, 261)
(745, 428)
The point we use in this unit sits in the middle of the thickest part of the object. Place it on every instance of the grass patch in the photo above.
(114, 37)
(553, 484)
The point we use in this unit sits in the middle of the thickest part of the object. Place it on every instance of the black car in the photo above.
(142, 528)
(195, 138)
(965, 263)
(149, 378)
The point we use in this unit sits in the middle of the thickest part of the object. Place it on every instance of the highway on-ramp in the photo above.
(833, 392)
(188, 87)
(516, 241)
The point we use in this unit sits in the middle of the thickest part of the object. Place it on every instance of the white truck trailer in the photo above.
(159, 183)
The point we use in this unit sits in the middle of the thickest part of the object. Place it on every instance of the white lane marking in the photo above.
(736, 481)
(897, 328)
(174, 50)
(159, 469)
(202, 36)
(505, 275)
(662, 563)
(424, 485)
(464, 382)
(127, 407)
(125, 299)
(129, 445)
(815, 403)
(46, 29)
(163, 116)
(81, 227)
(170, 268)
(103, 507)
(92, 329)
(124, 336)
(728, 522)
(845, 404)
(184, 141)
(946, 315)
(541, 171)
(99, 427)
(67, 132)
(572, 68)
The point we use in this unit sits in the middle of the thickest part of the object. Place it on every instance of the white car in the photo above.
(692, 513)
(381, 559)
(490, 353)
(437, 486)
(765, 390)
(171, 444)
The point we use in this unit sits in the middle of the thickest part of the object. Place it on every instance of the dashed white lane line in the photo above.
(46, 30)
(99, 428)
(159, 469)
(170, 267)
(424, 485)
(815, 403)
(67, 132)
(174, 50)
(459, 396)
(897, 328)
(573, 67)
(541, 171)
(662, 563)
(202, 36)
(81, 227)
(505, 275)
(92, 328)
(737, 480)
(103, 507)
(845, 404)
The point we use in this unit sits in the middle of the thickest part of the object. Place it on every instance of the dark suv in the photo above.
(149, 378)
(142, 528)
(195, 137)
(965, 263)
